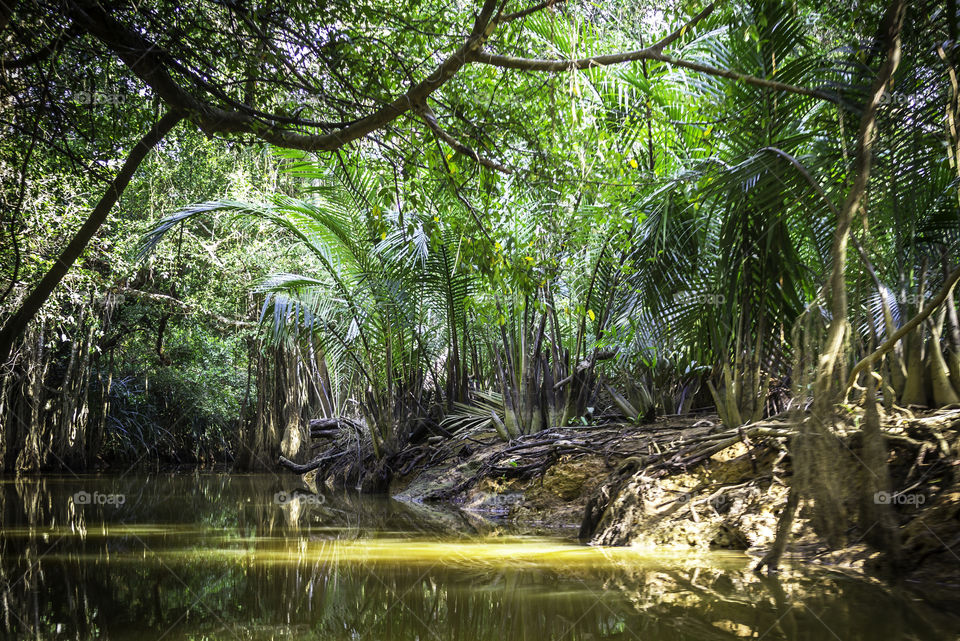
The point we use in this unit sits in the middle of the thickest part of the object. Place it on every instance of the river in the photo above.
(239, 557)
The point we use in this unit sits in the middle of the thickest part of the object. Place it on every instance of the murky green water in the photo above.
(243, 557)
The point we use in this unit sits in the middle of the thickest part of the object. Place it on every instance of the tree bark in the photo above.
(15, 325)
(815, 454)
(863, 158)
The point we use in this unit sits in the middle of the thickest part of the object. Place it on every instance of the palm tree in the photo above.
(378, 287)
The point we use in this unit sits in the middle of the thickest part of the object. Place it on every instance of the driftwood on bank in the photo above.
(332, 427)
(302, 468)
(328, 430)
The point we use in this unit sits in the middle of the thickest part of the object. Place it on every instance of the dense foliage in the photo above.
(447, 217)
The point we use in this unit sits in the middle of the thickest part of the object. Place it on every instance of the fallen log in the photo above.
(303, 468)
(332, 424)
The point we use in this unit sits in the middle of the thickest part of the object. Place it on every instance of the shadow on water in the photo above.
(247, 557)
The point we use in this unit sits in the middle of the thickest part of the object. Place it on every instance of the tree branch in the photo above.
(650, 53)
(183, 307)
(427, 115)
(516, 15)
(654, 52)
(145, 59)
(676, 35)
(51, 48)
(890, 29)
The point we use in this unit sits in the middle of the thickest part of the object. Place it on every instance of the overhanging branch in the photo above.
(146, 61)
(427, 115)
(650, 53)
(654, 52)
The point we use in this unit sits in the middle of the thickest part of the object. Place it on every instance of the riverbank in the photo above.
(686, 484)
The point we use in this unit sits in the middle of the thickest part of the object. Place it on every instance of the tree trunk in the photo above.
(14, 326)
(816, 452)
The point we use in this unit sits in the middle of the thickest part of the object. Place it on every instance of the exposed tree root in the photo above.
(921, 449)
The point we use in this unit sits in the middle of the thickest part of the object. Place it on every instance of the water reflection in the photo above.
(246, 557)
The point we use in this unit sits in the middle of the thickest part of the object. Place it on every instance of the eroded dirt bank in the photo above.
(685, 483)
